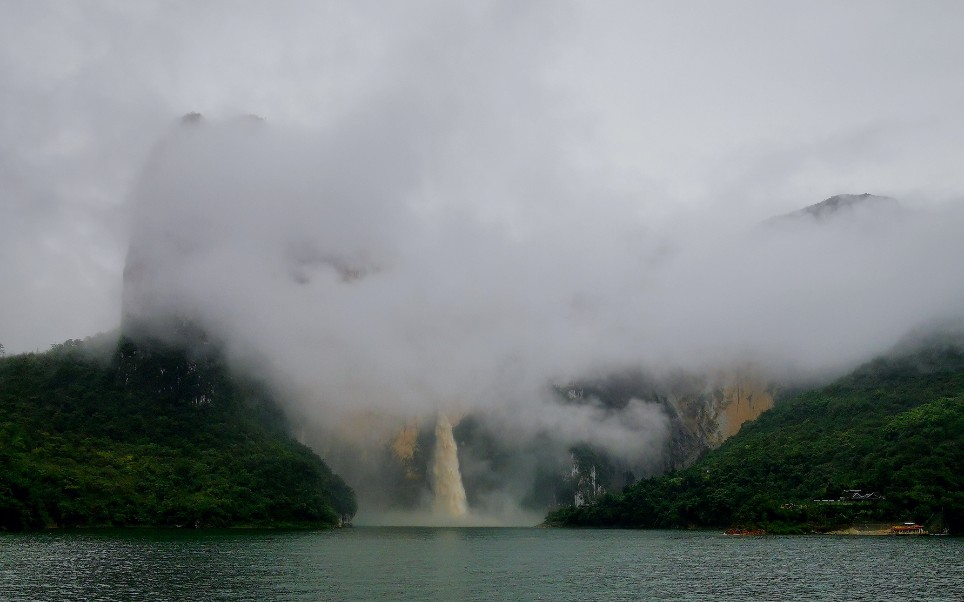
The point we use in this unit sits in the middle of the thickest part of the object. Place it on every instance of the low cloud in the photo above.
(319, 262)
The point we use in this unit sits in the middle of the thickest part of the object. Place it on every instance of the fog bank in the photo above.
(354, 274)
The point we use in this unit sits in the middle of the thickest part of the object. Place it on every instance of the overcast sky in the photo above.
(674, 108)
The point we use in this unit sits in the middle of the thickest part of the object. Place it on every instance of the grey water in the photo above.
(473, 564)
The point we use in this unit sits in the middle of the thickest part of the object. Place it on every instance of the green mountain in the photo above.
(893, 428)
(148, 434)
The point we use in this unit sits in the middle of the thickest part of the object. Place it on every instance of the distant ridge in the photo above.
(836, 205)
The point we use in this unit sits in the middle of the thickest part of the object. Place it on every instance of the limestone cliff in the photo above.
(705, 412)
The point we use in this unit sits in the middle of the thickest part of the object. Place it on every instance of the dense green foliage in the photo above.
(894, 426)
(151, 435)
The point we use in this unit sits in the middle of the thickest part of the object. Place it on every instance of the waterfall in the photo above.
(447, 480)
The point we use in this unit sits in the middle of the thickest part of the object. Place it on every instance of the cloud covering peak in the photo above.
(668, 109)
(357, 269)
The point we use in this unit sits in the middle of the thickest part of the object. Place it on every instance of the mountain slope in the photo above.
(151, 435)
(838, 205)
(895, 427)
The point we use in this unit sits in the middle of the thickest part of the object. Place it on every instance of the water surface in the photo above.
(474, 564)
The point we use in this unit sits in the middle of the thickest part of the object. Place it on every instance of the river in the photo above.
(473, 564)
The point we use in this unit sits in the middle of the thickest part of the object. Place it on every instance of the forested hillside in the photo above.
(894, 427)
(151, 435)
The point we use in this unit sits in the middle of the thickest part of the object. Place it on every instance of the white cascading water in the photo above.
(447, 480)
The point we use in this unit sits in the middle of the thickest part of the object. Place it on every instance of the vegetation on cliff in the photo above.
(151, 435)
(895, 427)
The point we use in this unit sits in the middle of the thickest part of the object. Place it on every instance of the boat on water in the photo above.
(908, 529)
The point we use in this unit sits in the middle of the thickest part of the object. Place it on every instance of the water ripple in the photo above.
(473, 564)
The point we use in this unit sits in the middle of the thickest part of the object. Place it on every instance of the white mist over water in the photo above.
(366, 300)
(446, 477)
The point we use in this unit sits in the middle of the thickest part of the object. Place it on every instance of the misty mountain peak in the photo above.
(840, 204)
